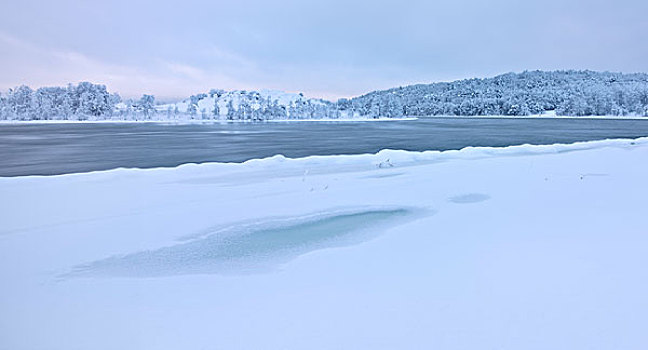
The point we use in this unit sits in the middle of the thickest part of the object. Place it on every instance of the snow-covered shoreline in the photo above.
(206, 121)
(542, 116)
(453, 250)
(326, 120)
(385, 158)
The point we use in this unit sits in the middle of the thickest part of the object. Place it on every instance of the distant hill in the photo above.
(574, 93)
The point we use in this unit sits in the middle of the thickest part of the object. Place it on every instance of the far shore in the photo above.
(328, 120)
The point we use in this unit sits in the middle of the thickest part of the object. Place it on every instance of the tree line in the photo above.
(574, 93)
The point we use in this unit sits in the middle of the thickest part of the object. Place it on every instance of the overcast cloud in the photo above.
(324, 49)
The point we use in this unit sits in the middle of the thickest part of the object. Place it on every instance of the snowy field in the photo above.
(524, 247)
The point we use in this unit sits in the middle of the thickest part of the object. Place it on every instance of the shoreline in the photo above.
(207, 121)
(539, 116)
(340, 120)
(360, 161)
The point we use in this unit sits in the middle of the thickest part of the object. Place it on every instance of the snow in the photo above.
(217, 121)
(207, 103)
(523, 247)
(551, 114)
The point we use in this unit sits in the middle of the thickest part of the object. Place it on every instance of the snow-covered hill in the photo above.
(251, 105)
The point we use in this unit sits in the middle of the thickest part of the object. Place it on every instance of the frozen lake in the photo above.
(47, 149)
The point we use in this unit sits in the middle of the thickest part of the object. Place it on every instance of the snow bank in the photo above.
(534, 247)
(279, 164)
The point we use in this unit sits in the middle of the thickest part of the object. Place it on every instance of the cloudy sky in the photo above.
(325, 49)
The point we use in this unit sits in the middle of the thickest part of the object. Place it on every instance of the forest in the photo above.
(568, 93)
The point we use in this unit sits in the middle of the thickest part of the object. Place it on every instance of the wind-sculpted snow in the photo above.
(546, 243)
(253, 247)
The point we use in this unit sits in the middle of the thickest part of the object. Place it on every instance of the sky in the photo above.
(327, 49)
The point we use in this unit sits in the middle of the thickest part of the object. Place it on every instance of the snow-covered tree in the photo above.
(567, 92)
(145, 105)
(216, 110)
(231, 112)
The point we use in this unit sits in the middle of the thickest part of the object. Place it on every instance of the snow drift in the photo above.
(534, 247)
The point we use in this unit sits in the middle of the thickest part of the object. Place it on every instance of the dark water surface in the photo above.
(48, 149)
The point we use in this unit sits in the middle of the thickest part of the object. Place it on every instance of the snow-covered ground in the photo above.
(546, 115)
(207, 121)
(525, 247)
